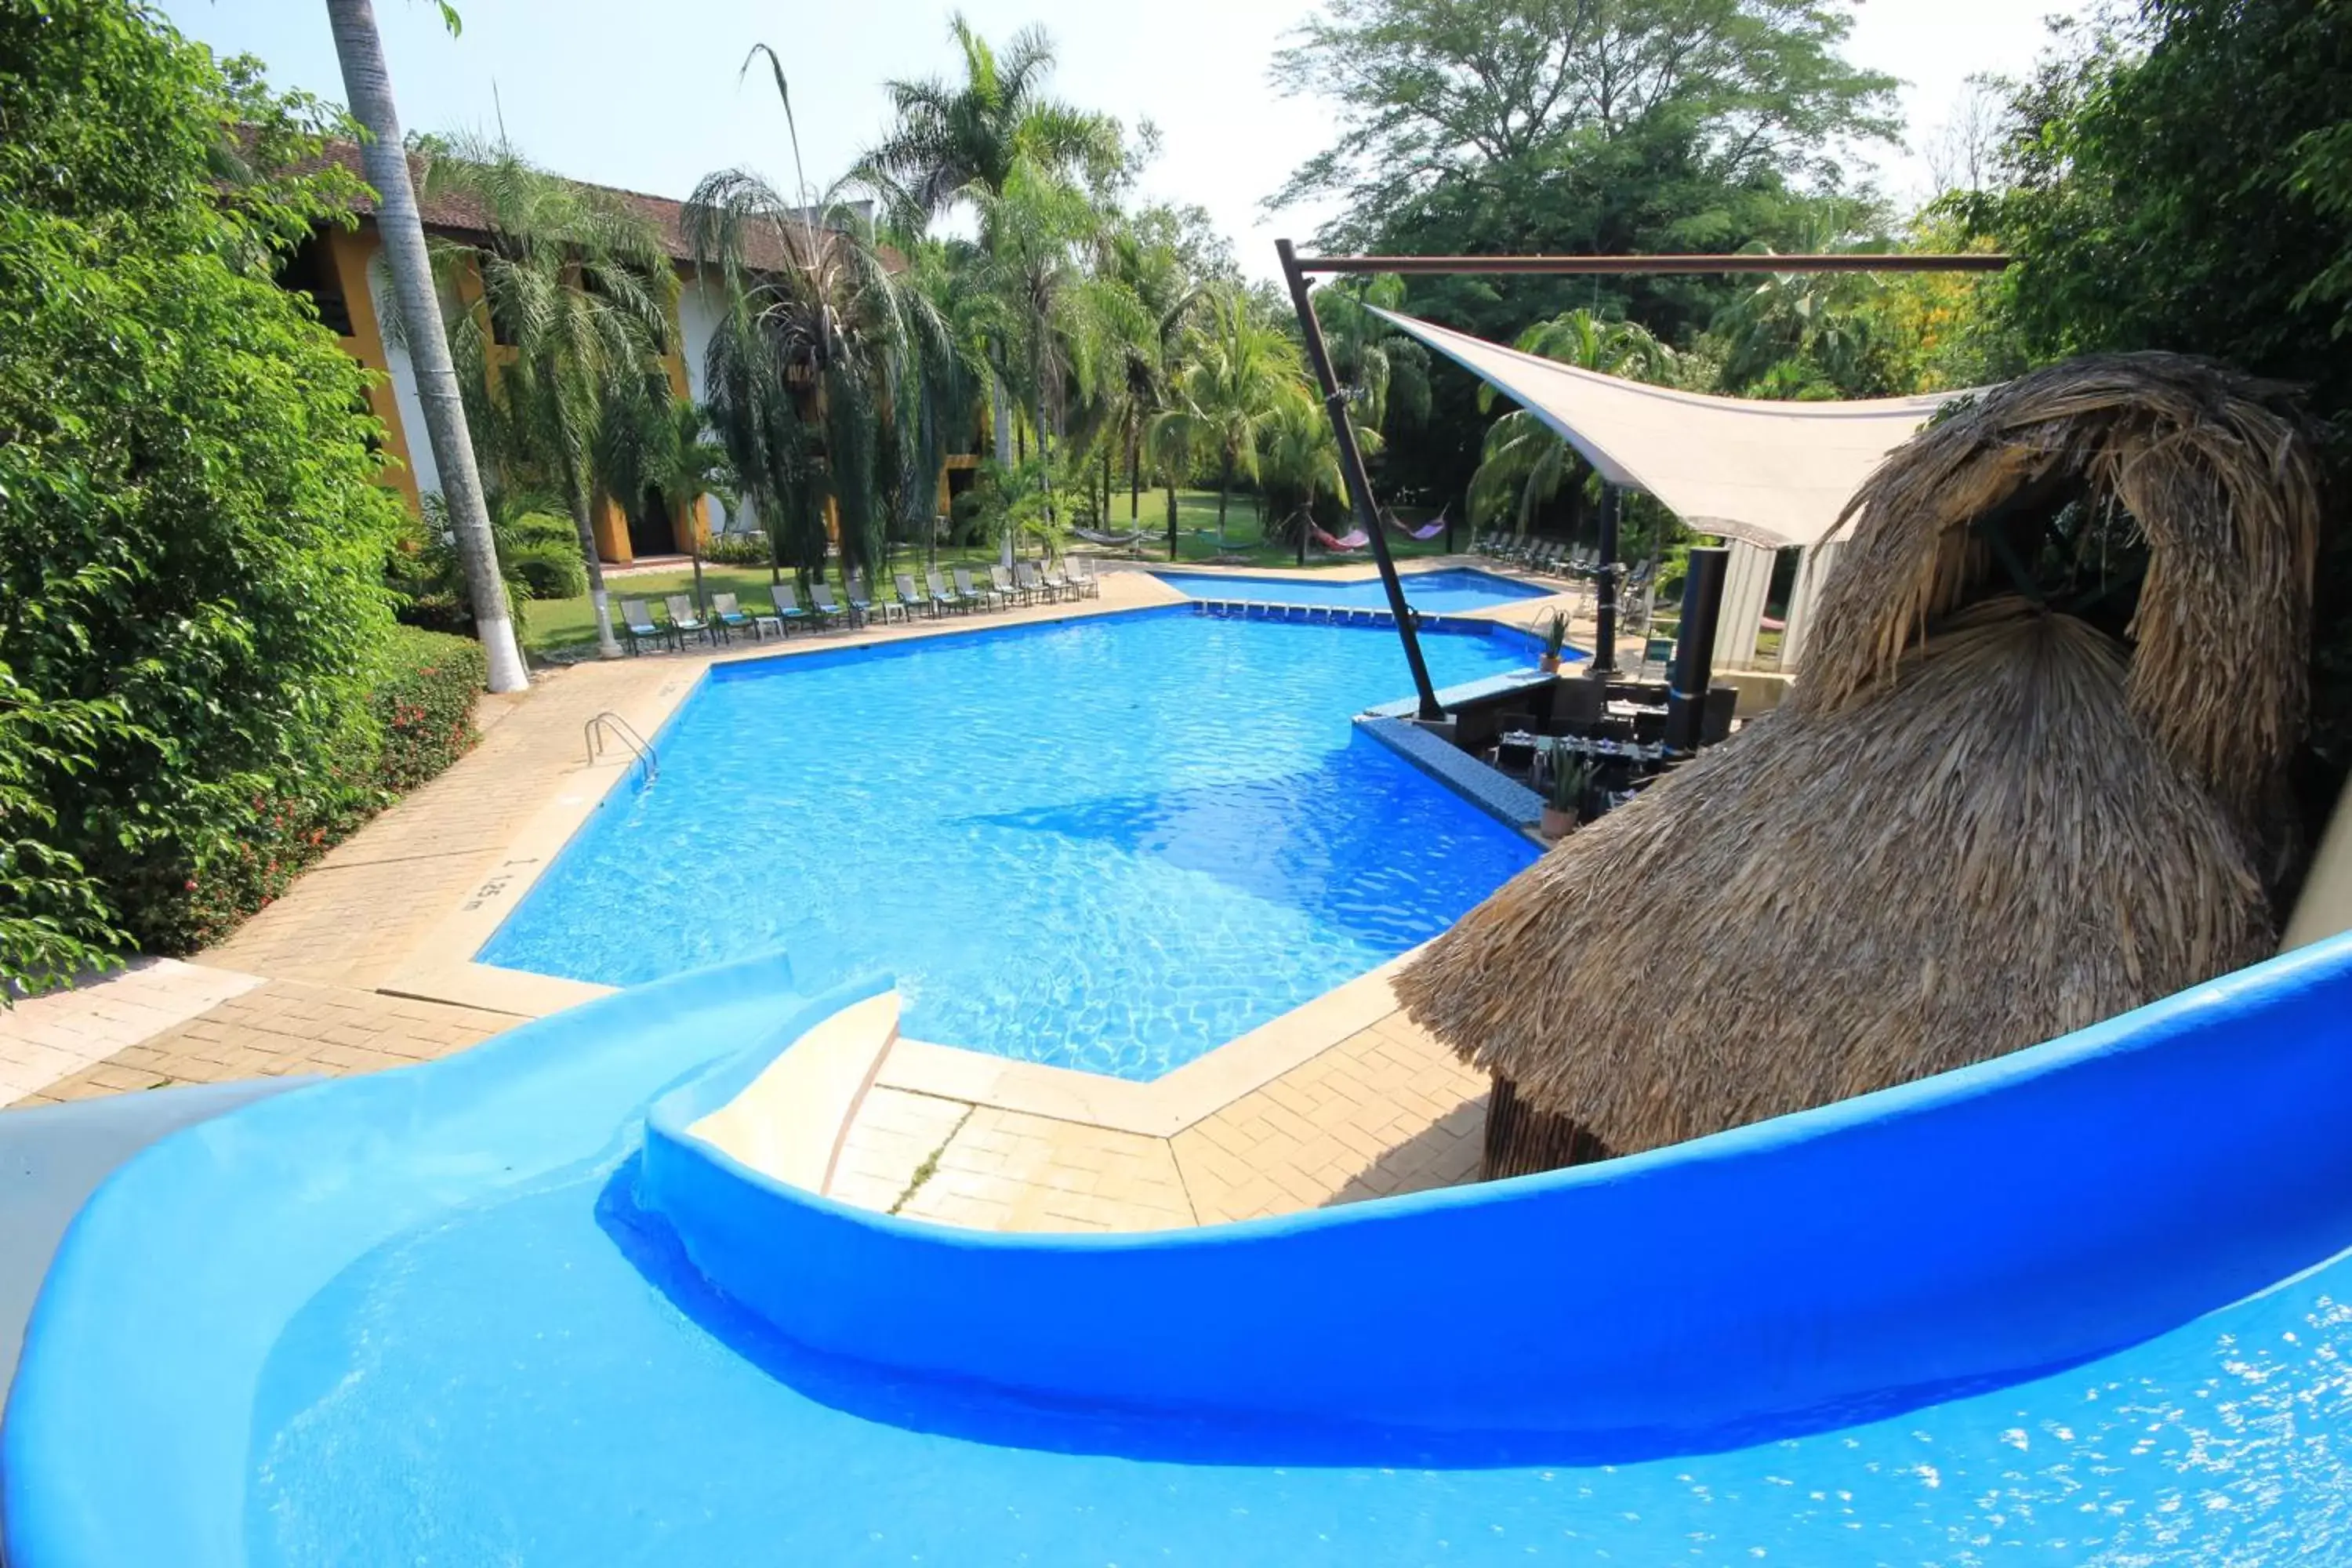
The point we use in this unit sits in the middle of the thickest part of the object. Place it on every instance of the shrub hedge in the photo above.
(423, 700)
(193, 619)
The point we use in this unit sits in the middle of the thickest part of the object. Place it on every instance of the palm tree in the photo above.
(938, 409)
(1524, 463)
(1802, 334)
(368, 84)
(1382, 370)
(953, 142)
(1040, 236)
(1168, 293)
(1238, 365)
(572, 309)
(1299, 460)
(652, 441)
(951, 139)
(817, 350)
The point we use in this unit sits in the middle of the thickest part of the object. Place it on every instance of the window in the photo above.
(310, 269)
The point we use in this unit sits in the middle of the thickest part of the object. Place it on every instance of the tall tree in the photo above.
(1462, 91)
(2185, 182)
(1572, 127)
(1238, 367)
(954, 141)
(817, 345)
(951, 139)
(572, 308)
(1040, 237)
(383, 158)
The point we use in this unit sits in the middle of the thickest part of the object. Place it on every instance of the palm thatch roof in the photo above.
(1981, 822)
(2218, 477)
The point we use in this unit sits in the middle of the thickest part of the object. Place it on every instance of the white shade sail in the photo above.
(1770, 474)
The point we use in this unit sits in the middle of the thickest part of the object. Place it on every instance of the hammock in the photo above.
(1427, 530)
(1118, 541)
(1355, 539)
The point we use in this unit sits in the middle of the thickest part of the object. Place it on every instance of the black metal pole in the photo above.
(1359, 482)
(1604, 585)
(1693, 670)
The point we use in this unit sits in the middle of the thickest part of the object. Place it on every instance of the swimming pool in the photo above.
(1109, 844)
(1449, 592)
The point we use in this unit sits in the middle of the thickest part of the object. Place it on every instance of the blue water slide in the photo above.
(508, 1306)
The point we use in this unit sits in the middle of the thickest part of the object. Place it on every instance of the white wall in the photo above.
(697, 318)
(412, 415)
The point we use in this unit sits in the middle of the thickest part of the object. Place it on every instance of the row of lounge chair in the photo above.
(1556, 558)
(1025, 582)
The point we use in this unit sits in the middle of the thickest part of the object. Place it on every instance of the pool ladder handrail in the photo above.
(610, 725)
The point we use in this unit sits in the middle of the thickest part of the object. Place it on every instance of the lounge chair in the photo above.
(1058, 579)
(732, 616)
(910, 595)
(828, 609)
(988, 598)
(861, 602)
(790, 612)
(1033, 581)
(683, 620)
(942, 597)
(1083, 578)
(638, 626)
(1014, 593)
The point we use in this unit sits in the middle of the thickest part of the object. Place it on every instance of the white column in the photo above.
(1747, 578)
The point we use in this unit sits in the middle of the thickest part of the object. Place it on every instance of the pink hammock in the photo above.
(1355, 539)
(1427, 530)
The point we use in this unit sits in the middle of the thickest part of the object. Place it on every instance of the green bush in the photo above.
(191, 529)
(543, 550)
(423, 700)
(739, 550)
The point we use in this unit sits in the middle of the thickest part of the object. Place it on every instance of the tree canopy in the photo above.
(2183, 180)
(190, 526)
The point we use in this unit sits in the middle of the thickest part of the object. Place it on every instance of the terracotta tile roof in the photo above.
(453, 214)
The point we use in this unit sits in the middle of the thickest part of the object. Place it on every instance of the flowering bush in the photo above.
(423, 700)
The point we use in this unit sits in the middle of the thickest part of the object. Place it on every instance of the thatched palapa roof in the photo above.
(1980, 822)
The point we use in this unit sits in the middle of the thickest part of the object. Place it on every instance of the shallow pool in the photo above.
(1432, 593)
(1110, 844)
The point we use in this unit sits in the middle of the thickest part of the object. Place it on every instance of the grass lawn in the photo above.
(550, 624)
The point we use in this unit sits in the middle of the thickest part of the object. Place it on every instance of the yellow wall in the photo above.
(351, 254)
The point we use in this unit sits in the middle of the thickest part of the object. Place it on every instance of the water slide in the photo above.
(562, 1298)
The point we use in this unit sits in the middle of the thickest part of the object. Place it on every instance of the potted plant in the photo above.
(1555, 637)
(1570, 778)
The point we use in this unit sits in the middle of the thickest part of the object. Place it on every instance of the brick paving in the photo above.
(1386, 1110)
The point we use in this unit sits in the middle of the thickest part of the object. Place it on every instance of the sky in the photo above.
(645, 94)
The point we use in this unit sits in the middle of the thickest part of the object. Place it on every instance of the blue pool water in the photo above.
(1108, 844)
(1434, 593)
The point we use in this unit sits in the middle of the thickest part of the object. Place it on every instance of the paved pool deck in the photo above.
(365, 964)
